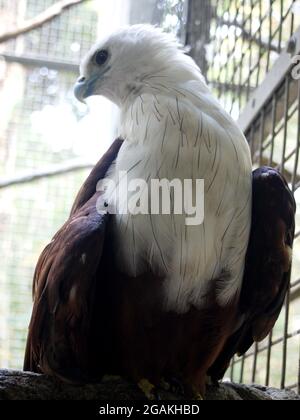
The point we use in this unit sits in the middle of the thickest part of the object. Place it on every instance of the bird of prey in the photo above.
(147, 295)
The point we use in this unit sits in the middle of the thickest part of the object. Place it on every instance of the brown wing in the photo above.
(89, 187)
(64, 286)
(268, 264)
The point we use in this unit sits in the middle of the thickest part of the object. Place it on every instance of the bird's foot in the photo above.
(149, 390)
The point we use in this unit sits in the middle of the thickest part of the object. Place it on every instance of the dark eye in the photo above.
(101, 57)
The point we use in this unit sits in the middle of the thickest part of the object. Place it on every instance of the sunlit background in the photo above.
(49, 141)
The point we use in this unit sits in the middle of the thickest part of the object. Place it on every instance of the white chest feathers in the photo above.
(181, 135)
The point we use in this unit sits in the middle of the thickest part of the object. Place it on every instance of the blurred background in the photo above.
(49, 141)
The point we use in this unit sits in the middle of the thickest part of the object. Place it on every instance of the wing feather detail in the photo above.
(64, 286)
(268, 265)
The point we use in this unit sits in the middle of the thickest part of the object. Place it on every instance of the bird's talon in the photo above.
(149, 390)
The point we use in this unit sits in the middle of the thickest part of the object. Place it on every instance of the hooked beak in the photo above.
(84, 88)
(80, 89)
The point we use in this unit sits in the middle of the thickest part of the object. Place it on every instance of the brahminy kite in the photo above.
(145, 294)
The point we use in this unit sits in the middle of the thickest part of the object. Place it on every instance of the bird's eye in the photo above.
(101, 57)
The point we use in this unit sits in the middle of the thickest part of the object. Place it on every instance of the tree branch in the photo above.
(247, 35)
(56, 170)
(15, 385)
(46, 16)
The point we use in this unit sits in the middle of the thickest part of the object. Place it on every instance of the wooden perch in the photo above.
(15, 385)
(46, 16)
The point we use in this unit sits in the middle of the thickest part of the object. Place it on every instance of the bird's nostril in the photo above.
(81, 80)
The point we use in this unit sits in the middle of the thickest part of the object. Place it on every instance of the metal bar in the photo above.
(214, 43)
(277, 30)
(293, 99)
(298, 143)
(278, 129)
(267, 381)
(241, 64)
(297, 234)
(254, 363)
(295, 283)
(297, 186)
(242, 368)
(260, 39)
(250, 47)
(251, 141)
(40, 62)
(197, 30)
(237, 9)
(220, 42)
(262, 125)
(270, 34)
(281, 24)
(227, 61)
(285, 338)
(292, 20)
(229, 86)
(226, 69)
(232, 369)
(274, 105)
(264, 92)
(286, 119)
(274, 343)
(299, 370)
(285, 160)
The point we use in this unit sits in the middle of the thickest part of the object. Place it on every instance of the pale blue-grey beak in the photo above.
(85, 87)
(81, 89)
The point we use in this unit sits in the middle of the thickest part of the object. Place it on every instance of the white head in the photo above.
(130, 60)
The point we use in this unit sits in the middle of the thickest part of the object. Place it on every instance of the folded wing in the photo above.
(268, 265)
(65, 284)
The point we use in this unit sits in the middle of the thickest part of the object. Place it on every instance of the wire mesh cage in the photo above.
(244, 48)
(247, 38)
(45, 130)
(36, 87)
(250, 69)
(274, 139)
